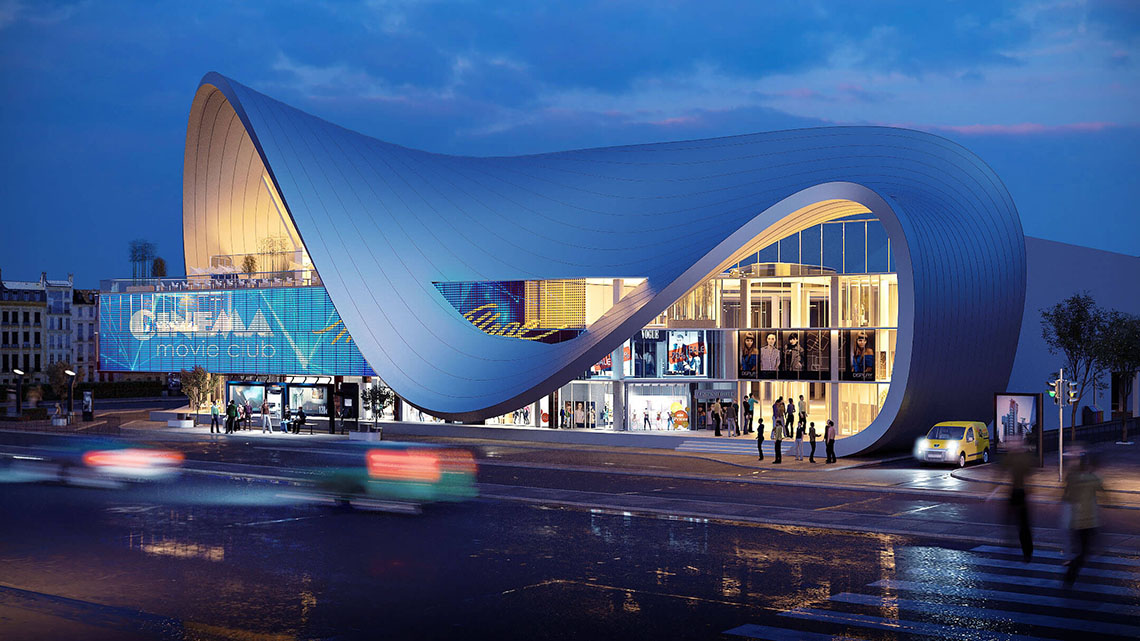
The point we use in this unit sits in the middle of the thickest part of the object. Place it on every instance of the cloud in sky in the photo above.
(97, 94)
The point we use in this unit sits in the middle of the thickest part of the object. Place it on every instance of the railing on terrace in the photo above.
(1107, 431)
(200, 282)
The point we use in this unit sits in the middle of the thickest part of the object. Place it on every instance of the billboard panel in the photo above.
(284, 330)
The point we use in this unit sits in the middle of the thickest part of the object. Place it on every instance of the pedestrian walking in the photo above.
(1080, 493)
(716, 417)
(801, 409)
(790, 419)
(231, 417)
(1017, 464)
(778, 438)
(749, 409)
(215, 425)
(812, 436)
(800, 442)
(266, 419)
(829, 434)
(760, 439)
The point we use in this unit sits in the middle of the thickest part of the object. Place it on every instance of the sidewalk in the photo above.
(1117, 465)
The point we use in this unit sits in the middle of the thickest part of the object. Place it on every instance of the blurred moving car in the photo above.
(101, 462)
(954, 441)
(389, 475)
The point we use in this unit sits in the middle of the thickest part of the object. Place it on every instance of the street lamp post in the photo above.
(19, 389)
(70, 393)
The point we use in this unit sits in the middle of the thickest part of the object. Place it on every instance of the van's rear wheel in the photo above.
(962, 460)
(986, 455)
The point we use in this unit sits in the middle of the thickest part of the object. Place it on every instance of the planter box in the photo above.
(365, 436)
(180, 423)
(59, 422)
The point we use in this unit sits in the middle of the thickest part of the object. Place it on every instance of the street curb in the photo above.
(962, 477)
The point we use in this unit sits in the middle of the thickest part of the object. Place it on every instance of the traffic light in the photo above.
(1055, 392)
(1071, 396)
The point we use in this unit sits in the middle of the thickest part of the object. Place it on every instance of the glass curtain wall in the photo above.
(814, 314)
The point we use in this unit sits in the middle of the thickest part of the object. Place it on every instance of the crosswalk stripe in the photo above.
(1053, 554)
(991, 614)
(1011, 579)
(1012, 597)
(768, 633)
(902, 625)
(1055, 569)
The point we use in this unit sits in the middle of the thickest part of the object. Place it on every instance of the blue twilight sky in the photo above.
(96, 94)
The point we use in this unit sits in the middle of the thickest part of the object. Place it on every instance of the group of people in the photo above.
(784, 416)
(1082, 485)
(236, 415)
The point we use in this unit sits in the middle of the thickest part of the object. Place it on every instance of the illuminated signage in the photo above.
(287, 330)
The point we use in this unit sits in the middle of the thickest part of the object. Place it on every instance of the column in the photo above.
(617, 371)
(746, 303)
(834, 296)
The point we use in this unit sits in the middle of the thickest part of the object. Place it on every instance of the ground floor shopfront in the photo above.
(669, 405)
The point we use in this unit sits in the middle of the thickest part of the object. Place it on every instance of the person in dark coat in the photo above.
(778, 438)
(231, 417)
(829, 434)
(812, 435)
(760, 438)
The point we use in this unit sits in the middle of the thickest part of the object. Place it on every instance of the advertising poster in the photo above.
(749, 355)
(1015, 416)
(313, 399)
(649, 353)
(858, 349)
(255, 394)
(793, 357)
(291, 330)
(771, 353)
(686, 353)
(817, 354)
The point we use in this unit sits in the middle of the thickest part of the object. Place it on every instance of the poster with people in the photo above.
(859, 355)
(771, 355)
(749, 355)
(686, 353)
(793, 354)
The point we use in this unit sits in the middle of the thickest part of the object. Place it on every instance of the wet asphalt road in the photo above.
(215, 559)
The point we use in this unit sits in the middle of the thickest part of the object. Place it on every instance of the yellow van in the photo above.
(961, 441)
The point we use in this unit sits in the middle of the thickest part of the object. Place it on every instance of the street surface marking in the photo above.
(971, 612)
(1056, 569)
(1115, 590)
(1053, 554)
(902, 625)
(768, 633)
(1011, 597)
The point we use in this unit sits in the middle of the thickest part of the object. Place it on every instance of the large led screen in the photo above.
(285, 330)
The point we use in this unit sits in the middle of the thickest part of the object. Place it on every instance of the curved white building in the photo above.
(878, 272)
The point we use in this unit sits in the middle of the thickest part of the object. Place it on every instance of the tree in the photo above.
(158, 267)
(1073, 328)
(141, 254)
(376, 398)
(1118, 351)
(249, 264)
(196, 383)
(58, 378)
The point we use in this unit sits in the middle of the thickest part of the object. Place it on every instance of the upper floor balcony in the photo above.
(218, 278)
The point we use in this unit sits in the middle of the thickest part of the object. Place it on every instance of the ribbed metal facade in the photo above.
(382, 223)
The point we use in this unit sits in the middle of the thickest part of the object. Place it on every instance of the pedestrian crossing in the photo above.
(739, 445)
(972, 595)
